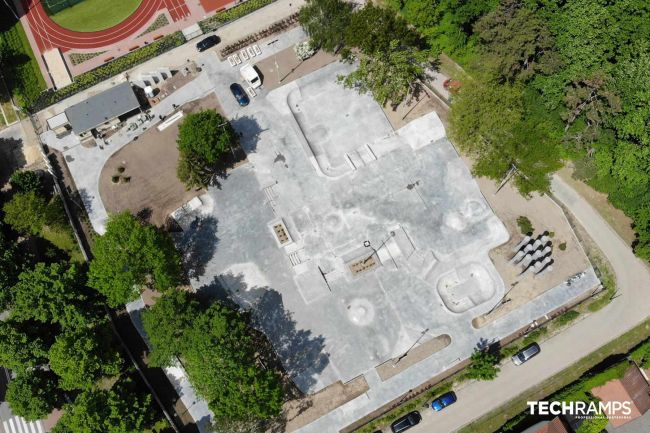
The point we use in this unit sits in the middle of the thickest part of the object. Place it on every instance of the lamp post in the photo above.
(402, 356)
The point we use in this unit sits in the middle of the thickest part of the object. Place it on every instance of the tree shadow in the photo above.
(197, 244)
(11, 157)
(249, 131)
(85, 199)
(301, 355)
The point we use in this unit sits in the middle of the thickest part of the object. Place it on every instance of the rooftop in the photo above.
(101, 108)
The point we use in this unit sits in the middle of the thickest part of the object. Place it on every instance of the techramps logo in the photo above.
(582, 409)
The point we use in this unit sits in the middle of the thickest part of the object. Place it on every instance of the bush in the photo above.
(483, 366)
(562, 246)
(224, 17)
(26, 181)
(534, 335)
(104, 72)
(567, 318)
(525, 226)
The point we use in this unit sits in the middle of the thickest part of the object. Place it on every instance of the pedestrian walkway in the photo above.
(19, 425)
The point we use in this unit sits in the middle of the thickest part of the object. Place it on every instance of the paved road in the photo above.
(622, 314)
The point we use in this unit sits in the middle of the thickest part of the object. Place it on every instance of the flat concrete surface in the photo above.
(325, 165)
(407, 196)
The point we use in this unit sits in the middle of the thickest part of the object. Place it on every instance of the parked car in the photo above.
(443, 401)
(239, 94)
(208, 42)
(249, 73)
(526, 353)
(404, 423)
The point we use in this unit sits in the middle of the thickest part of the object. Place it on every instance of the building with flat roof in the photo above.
(103, 110)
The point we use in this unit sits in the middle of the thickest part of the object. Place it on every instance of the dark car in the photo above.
(239, 94)
(406, 422)
(526, 353)
(443, 401)
(208, 42)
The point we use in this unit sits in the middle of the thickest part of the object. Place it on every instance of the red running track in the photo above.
(49, 35)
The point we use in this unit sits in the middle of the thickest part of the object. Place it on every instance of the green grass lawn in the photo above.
(94, 15)
(21, 72)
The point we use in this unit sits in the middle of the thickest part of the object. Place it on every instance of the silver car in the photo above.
(525, 354)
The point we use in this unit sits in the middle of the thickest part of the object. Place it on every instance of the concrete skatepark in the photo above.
(348, 241)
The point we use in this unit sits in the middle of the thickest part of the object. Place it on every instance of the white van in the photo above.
(251, 76)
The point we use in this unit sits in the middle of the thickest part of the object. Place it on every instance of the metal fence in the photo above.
(54, 6)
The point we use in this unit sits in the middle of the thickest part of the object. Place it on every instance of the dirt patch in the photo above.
(289, 68)
(414, 108)
(298, 413)
(567, 253)
(393, 367)
(614, 217)
(141, 177)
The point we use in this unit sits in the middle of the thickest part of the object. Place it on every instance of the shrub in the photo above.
(26, 181)
(221, 18)
(525, 226)
(534, 335)
(567, 318)
(483, 366)
(562, 246)
(120, 169)
(115, 179)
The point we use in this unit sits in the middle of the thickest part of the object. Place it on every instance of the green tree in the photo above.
(26, 212)
(166, 324)
(390, 75)
(500, 129)
(516, 41)
(325, 22)
(34, 394)
(236, 387)
(373, 29)
(26, 181)
(52, 294)
(121, 409)
(203, 140)
(483, 365)
(83, 356)
(130, 255)
(9, 270)
(21, 346)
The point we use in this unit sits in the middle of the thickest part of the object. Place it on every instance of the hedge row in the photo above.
(104, 72)
(222, 18)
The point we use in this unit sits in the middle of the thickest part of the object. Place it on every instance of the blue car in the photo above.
(443, 401)
(239, 94)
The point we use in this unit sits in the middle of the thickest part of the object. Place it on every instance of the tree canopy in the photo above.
(122, 409)
(27, 212)
(392, 61)
(52, 294)
(129, 256)
(326, 21)
(26, 181)
(21, 345)
(9, 269)
(234, 384)
(483, 365)
(391, 74)
(166, 324)
(204, 138)
(34, 394)
(82, 356)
